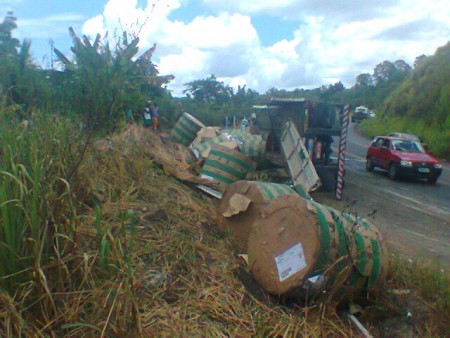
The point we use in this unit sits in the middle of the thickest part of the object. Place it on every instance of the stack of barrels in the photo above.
(229, 156)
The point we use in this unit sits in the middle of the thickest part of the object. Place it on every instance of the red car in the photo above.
(402, 157)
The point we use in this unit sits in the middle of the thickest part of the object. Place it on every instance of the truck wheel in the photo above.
(328, 182)
(392, 172)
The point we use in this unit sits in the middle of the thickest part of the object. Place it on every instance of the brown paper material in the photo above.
(283, 246)
(237, 204)
(240, 224)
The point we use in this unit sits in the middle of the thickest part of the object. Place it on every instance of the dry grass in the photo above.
(145, 259)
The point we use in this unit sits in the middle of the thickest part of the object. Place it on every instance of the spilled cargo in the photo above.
(298, 246)
(295, 246)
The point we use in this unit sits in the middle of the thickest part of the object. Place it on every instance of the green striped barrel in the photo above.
(225, 166)
(352, 253)
(186, 129)
(367, 249)
(254, 147)
(270, 191)
(204, 147)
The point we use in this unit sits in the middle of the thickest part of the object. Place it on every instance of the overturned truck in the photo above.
(320, 125)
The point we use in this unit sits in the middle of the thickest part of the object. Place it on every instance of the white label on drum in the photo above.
(290, 262)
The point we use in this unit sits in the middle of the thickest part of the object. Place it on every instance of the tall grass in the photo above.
(33, 189)
(21, 235)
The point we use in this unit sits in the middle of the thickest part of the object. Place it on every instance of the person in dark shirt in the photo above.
(155, 116)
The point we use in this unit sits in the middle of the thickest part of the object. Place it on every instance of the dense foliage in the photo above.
(211, 100)
(425, 94)
(420, 104)
(97, 85)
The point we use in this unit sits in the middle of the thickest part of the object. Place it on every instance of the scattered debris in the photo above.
(294, 244)
(358, 324)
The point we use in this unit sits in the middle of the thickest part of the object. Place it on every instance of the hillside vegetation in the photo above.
(421, 104)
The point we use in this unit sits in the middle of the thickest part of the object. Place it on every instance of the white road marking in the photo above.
(359, 144)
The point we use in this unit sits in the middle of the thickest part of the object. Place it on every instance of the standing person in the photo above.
(155, 116)
(226, 122)
(253, 119)
(326, 141)
(244, 124)
(148, 114)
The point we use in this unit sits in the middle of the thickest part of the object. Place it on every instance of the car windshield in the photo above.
(408, 146)
(406, 136)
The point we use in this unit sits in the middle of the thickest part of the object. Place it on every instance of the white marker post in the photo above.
(341, 157)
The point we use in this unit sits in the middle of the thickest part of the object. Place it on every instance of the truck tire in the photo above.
(328, 181)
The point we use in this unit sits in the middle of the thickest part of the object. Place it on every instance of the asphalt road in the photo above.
(413, 216)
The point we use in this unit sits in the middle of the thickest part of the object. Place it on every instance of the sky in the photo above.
(262, 44)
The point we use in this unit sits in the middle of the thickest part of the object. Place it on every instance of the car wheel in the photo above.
(369, 164)
(432, 179)
(392, 172)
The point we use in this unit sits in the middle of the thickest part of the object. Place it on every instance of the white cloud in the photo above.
(334, 41)
(190, 62)
(286, 49)
(249, 6)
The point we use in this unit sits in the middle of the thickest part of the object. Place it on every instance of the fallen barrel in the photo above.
(204, 147)
(225, 166)
(283, 245)
(186, 129)
(297, 246)
(254, 147)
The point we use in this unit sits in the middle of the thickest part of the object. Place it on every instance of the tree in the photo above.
(383, 71)
(419, 60)
(243, 100)
(364, 79)
(104, 84)
(209, 91)
(8, 44)
(402, 66)
(8, 56)
(22, 81)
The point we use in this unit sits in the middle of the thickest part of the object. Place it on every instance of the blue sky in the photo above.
(262, 44)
